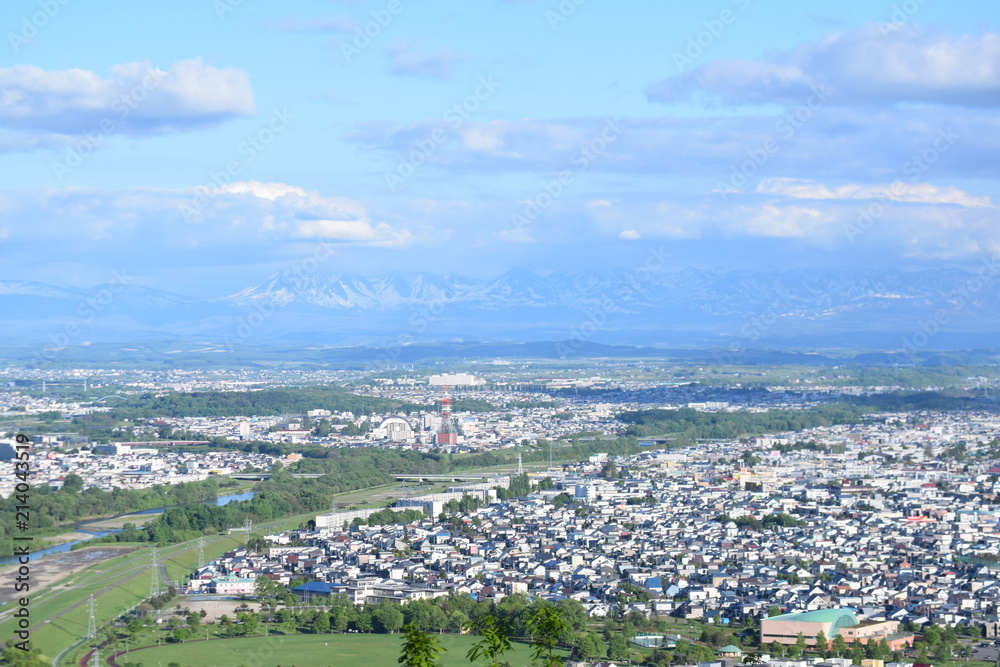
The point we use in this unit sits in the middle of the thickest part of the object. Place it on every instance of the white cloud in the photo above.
(136, 98)
(630, 234)
(781, 221)
(263, 190)
(437, 65)
(481, 138)
(835, 143)
(921, 193)
(238, 215)
(868, 65)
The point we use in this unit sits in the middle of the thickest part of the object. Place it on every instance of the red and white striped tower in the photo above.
(446, 434)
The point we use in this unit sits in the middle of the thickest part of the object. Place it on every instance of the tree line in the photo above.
(279, 401)
(688, 425)
(53, 512)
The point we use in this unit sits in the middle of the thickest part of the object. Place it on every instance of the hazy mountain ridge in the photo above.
(689, 307)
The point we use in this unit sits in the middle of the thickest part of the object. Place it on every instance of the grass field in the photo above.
(308, 651)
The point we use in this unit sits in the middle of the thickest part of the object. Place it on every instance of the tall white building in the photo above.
(455, 380)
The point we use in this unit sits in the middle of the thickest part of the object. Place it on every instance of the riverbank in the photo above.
(56, 567)
(89, 529)
(117, 522)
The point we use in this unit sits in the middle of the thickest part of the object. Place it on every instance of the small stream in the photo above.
(62, 548)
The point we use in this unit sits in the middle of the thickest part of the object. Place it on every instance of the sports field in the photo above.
(309, 651)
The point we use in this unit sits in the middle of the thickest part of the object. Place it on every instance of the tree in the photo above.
(15, 657)
(547, 627)
(72, 483)
(436, 618)
(132, 627)
(800, 643)
(573, 613)
(363, 622)
(858, 653)
(587, 647)
(922, 652)
(420, 649)
(321, 623)
(494, 642)
(839, 646)
(289, 624)
(618, 647)
(822, 643)
(942, 652)
(388, 616)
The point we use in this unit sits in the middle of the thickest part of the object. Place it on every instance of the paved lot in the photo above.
(988, 654)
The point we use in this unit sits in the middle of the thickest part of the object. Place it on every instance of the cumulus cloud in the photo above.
(242, 214)
(917, 220)
(407, 62)
(868, 65)
(136, 98)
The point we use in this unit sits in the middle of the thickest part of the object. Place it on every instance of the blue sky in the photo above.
(201, 145)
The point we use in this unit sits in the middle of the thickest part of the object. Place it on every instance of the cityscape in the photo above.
(605, 490)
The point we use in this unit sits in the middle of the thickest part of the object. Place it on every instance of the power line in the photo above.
(154, 580)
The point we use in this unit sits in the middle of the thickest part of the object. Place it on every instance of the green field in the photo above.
(308, 651)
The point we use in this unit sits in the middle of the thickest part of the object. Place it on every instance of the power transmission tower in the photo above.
(154, 580)
(92, 625)
(92, 632)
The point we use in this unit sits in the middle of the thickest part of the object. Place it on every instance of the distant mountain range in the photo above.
(876, 309)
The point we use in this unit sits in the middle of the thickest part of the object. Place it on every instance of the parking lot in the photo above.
(986, 654)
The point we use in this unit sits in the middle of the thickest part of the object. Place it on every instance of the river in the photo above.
(61, 548)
